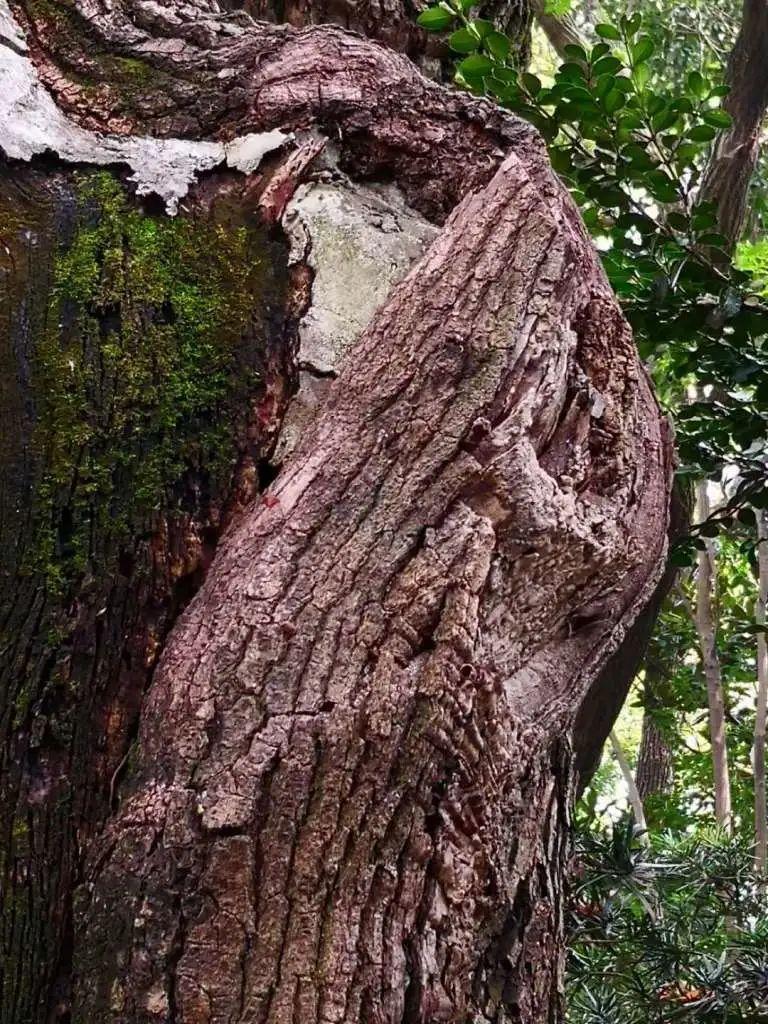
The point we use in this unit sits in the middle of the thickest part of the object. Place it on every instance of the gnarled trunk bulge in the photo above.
(334, 505)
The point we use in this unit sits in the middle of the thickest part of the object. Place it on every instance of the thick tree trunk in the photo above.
(346, 796)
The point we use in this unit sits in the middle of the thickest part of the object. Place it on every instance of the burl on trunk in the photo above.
(345, 797)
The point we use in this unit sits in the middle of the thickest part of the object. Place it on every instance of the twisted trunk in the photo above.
(345, 795)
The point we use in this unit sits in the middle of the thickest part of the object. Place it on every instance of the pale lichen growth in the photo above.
(32, 124)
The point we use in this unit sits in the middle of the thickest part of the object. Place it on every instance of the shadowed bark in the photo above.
(654, 760)
(349, 794)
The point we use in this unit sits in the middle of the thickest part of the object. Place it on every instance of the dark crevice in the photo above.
(267, 472)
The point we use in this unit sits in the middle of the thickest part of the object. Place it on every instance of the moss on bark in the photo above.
(139, 368)
(140, 364)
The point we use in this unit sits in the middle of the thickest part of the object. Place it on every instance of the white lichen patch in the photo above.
(359, 240)
(32, 124)
(246, 152)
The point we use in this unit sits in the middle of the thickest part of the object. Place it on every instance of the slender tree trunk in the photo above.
(635, 800)
(733, 161)
(706, 628)
(298, 743)
(654, 760)
(761, 810)
(561, 30)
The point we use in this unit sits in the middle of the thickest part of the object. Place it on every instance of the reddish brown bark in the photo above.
(394, 22)
(351, 763)
(350, 794)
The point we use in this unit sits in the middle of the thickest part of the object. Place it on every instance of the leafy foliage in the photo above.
(674, 931)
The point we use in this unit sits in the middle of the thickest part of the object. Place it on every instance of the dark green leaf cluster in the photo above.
(672, 931)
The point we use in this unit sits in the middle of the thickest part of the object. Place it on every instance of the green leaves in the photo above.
(641, 50)
(717, 118)
(696, 84)
(464, 41)
(607, 31)
(435, 19)
(476, 65)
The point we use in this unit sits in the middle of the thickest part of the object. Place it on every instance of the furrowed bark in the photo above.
(107, 530)
(330, 742)
(654, 761)
(393, 22)
(349, 795)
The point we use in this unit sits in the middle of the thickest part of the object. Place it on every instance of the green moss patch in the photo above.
(152, 344)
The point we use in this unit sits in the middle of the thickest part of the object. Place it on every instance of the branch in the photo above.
(560, 30)
(635, 800)
(704, 621)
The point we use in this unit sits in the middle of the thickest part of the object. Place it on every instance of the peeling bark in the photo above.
(349, 795)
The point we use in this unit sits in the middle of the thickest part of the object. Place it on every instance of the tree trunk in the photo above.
(633, 794)
(706, 628)
(560, 29)
(654, 761)
(761, 716)
(338, 788)
(733, 161)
